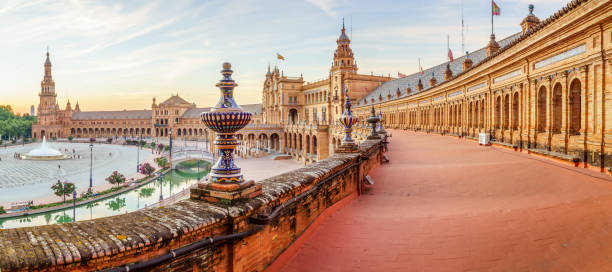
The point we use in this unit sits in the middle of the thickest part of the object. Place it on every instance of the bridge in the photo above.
(185, 154)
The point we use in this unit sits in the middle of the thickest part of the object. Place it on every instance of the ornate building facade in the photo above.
(546, 89)
(306, 113)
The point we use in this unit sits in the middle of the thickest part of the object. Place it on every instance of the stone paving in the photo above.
(29, 180)
(447, 204)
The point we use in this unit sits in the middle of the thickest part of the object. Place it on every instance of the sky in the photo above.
(115, 55)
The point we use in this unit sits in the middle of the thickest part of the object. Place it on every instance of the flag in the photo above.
(450, 55)
(495, 8)
(278, 56)
(400, 75)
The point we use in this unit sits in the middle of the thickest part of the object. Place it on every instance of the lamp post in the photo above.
(161, 187)
(198, 170)
(90, 166)
(74, 206)
(138, 154)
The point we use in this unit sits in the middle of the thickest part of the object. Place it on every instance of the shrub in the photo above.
(143, 143)
(2, 210)
(146, 169)
(166, 148)
(161, 161)
(116, 178)
(54, 138)
(33, 140)
(70, 138)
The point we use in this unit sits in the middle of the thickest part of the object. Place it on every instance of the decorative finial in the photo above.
(226, 118)
(530, 8)
(47, 50)
(347, 120)
(467, 54)
(342, 23)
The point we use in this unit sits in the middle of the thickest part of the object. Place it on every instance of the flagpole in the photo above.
(491, 17)
(447, 47)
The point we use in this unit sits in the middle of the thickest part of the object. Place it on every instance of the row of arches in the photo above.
(549, 111)
(301, 145)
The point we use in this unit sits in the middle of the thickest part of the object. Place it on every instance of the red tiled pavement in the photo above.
(447, 204)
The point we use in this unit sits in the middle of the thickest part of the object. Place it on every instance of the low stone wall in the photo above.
(195, 235)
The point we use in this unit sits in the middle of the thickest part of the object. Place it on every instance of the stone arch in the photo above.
(506, 111)
(557, 108)
(575, 107)
(541, 109)
(498, 112)
(515, 110)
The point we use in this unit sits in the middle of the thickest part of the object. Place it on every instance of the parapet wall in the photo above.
(195, 235)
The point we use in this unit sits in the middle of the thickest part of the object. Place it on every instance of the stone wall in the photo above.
(195, 235)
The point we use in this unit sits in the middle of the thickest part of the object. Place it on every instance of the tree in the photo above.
(2, 210)
(146, 169)
(116, 178)
(63, 189)
(161, 161)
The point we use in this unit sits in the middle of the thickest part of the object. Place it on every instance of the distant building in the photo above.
(175, 114)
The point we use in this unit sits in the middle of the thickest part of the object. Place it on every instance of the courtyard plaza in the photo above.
(448, 204)
(25, 180)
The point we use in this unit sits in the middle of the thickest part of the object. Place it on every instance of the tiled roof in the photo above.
(411, 81)
(174, 100)
(194, 112)
(255, 109)
(124, 114)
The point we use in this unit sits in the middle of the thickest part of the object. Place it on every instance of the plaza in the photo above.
(24, 180)
(448, 204)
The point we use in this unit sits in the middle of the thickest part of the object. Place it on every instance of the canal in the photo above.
(185, 175)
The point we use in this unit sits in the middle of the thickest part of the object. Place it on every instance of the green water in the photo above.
(172, 183)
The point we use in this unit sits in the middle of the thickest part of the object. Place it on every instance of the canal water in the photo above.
(173, 182)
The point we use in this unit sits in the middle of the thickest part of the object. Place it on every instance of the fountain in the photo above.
(44, 153)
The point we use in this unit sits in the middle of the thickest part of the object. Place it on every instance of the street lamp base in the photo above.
(225, 193)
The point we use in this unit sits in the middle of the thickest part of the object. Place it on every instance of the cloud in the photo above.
(328, 6)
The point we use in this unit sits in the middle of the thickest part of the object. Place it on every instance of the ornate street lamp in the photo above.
(226, 182)
(373, 119)
(347, 120)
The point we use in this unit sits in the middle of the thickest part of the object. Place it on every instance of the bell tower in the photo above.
(48, 104)
(343, 57)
